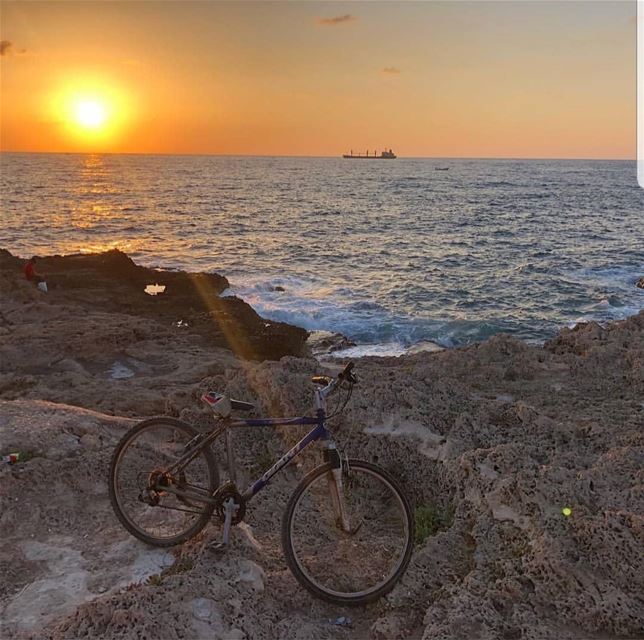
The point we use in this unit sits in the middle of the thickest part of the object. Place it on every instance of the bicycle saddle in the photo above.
(213, 398)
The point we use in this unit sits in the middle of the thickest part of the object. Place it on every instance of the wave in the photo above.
(318, 306)
(378, 330)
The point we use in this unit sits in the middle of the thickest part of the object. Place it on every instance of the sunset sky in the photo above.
(445, 79)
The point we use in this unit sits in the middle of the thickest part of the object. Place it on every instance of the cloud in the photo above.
(336, 20)
(7, 48)
(390, 71)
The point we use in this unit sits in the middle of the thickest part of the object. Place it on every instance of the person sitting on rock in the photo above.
(32, 275)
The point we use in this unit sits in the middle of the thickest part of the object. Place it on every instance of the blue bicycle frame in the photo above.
(318, 433)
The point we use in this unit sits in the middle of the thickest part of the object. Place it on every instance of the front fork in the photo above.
(334, 480)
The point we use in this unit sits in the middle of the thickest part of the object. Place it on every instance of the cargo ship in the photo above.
(384, 155)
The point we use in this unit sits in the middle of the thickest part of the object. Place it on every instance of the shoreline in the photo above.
(324, 342)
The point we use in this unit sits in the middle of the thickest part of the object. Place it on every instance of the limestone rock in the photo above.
(112, 282)
(526, 458)
(252, 574)
(322, 343)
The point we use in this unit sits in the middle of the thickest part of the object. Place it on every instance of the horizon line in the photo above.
(255, 155)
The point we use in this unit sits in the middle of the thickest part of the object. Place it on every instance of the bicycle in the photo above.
(347, 532)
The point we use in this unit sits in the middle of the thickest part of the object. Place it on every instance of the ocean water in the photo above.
(389, 253)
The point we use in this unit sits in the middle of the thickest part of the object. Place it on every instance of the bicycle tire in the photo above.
(369, 543)
(208, 462)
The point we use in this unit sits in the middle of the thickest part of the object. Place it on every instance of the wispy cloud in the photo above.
(390, 71)
(336, 20)
(7, 48)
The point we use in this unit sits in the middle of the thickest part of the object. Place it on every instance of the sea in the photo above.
(390, 253)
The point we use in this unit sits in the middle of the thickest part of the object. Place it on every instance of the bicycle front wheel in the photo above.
(160, 506)
(353, 566)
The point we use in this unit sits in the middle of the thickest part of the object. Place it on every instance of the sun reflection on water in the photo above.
(94, 188)
(127, 246)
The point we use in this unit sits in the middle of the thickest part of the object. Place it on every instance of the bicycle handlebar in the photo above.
(333, 384)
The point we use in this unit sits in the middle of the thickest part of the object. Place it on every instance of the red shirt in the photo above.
(30, 271)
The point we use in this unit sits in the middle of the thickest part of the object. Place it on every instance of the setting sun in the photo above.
(90, 114)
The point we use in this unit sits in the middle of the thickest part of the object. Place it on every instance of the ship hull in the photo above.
(369, 157)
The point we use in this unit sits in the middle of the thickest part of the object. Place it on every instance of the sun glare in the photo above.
(93, 112)
(90, 114)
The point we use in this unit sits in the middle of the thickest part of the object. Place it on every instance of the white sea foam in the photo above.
(381, 350)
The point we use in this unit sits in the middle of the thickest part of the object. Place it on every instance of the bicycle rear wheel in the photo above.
(141, 489)
(358, 566)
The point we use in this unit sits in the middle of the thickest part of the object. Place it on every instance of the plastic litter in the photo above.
(342, 621)
(154, 289)
(12, 458)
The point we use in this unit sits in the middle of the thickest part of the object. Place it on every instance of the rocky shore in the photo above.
(524, 465)
(112, 283)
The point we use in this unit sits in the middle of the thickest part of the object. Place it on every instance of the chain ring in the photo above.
(229, 490)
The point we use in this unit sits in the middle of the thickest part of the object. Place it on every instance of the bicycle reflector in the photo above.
(219, 403)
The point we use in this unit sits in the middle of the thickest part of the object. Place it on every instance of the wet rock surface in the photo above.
(322, 343)
(524, 466)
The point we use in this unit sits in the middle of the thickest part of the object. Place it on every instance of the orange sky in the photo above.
(452, 79)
